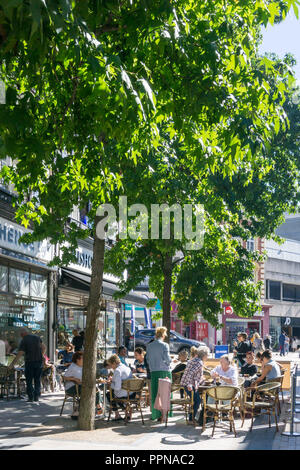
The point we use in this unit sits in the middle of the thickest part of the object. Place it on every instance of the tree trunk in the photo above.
(167, 294)
(86, 419)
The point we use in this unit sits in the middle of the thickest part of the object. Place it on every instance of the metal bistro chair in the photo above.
(264, 398)
(7, 380)
(75, 398)
(131, 386)
(220, 394)
(186, 401)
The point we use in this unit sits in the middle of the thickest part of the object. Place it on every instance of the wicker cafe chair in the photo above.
(221, 394)
(206, 374)
(7, 380)
(264, 398)
(187, 402)
(131, 386)
(280, 381)
(75, 398)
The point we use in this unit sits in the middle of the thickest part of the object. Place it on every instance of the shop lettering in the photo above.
(11, 235)
(84, 259)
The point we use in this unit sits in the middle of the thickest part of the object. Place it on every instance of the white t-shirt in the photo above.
(231, 373)
(73, 371)
(121, 373)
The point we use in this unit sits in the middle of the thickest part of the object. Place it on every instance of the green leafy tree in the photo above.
(91, 84)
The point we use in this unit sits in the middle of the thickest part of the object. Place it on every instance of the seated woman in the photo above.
(249, 368)
(73, 377)
(121, 372)
(182, 358)
(139, 363)
(193, 377)
(270, 370)
(66, 357)
(104, 371)
(225, 373)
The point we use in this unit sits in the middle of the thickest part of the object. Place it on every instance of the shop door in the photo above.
(253, 327)
(232, 329)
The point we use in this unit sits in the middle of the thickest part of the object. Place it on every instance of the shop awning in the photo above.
(82, 280)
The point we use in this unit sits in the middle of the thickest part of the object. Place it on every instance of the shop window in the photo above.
(250, 244)
(273, 290)
(3, 278)
(38, 286)
(19, 281)
(288, 292)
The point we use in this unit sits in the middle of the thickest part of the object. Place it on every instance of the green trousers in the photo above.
(160, 374)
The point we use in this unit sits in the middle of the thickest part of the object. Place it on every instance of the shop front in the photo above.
(26, 288)
(234, 324)
(291, 326)
(73, 295)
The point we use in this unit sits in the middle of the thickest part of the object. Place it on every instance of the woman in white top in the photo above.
(225, 373)
(73, 377)
(121, 372)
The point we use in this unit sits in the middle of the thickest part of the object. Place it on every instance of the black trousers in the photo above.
(33, 373)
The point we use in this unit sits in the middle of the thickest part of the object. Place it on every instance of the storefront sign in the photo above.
(10, 234)
(220, 351)
(84, 264)
(287, 321)
(228, 310)
(202, 330)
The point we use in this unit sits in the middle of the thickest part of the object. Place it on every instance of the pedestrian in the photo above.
(281, 343)
(31, 347)
(77, 340)
(267, 342)
(127, 337)
(258, 343)
(159, 360)
(241, 348)
(286, 344)
(193, 377)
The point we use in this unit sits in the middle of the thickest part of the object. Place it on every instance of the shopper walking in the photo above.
(31, 347)
(159, 360)
(281, 343)
(286, 344)
(258, 344)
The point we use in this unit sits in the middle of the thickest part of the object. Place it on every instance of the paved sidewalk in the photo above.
(28, 426)
(31, 426)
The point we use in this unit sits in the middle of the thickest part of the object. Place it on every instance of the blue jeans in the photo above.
(33, 373)
(197, 401)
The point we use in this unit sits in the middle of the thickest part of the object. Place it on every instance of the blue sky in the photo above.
(283, 38)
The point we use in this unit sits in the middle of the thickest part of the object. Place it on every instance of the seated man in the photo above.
(122, 353)
(121, 372)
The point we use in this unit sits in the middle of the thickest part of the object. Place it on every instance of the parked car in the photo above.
(177, 341)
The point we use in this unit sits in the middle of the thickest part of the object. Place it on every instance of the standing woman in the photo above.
(159, 361)
(258, 344)
(193, 377)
